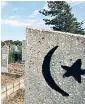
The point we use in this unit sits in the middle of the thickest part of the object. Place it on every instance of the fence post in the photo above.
(19, 83)
(13, 87)
(6, 91)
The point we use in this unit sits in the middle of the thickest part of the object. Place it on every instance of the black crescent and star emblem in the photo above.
(74, 71)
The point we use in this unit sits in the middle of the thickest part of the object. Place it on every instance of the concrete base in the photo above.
(3, 69)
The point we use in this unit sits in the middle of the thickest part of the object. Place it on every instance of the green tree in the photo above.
(17, 42)
(61, 17)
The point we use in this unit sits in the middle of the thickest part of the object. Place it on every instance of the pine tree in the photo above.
(61, 17)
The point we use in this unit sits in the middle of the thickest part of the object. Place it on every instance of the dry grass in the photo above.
(18, 99)
(16, 68)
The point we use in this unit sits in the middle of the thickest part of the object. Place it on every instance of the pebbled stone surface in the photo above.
(71, 47)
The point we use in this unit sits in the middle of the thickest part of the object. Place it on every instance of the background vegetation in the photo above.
(11, 53)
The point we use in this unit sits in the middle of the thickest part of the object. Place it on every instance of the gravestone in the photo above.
(23, 50)
(4, 58)
(55, 67)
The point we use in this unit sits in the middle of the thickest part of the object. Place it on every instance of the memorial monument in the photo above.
(55, 67)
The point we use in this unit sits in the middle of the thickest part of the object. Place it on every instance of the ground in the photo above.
(8, 78)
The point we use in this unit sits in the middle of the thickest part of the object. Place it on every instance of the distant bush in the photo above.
(11, 57)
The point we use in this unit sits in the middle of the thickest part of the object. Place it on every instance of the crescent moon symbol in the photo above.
(47, 75)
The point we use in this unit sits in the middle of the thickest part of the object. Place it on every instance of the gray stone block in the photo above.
(71, 47)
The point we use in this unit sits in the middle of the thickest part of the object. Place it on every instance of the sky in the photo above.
(17, 15)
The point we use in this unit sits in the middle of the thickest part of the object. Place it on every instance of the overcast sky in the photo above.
(17, 15)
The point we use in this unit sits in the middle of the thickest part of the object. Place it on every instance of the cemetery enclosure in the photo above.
(46, 63)
(9, 90)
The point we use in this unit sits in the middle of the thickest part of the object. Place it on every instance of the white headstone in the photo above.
(4, 58)
(23, 49)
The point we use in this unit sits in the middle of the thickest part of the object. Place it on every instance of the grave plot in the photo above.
(12, 81)
(12, 78)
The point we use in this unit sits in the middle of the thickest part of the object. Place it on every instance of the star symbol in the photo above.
(75, 71)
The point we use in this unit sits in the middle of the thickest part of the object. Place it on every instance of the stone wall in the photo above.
(40, 88)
